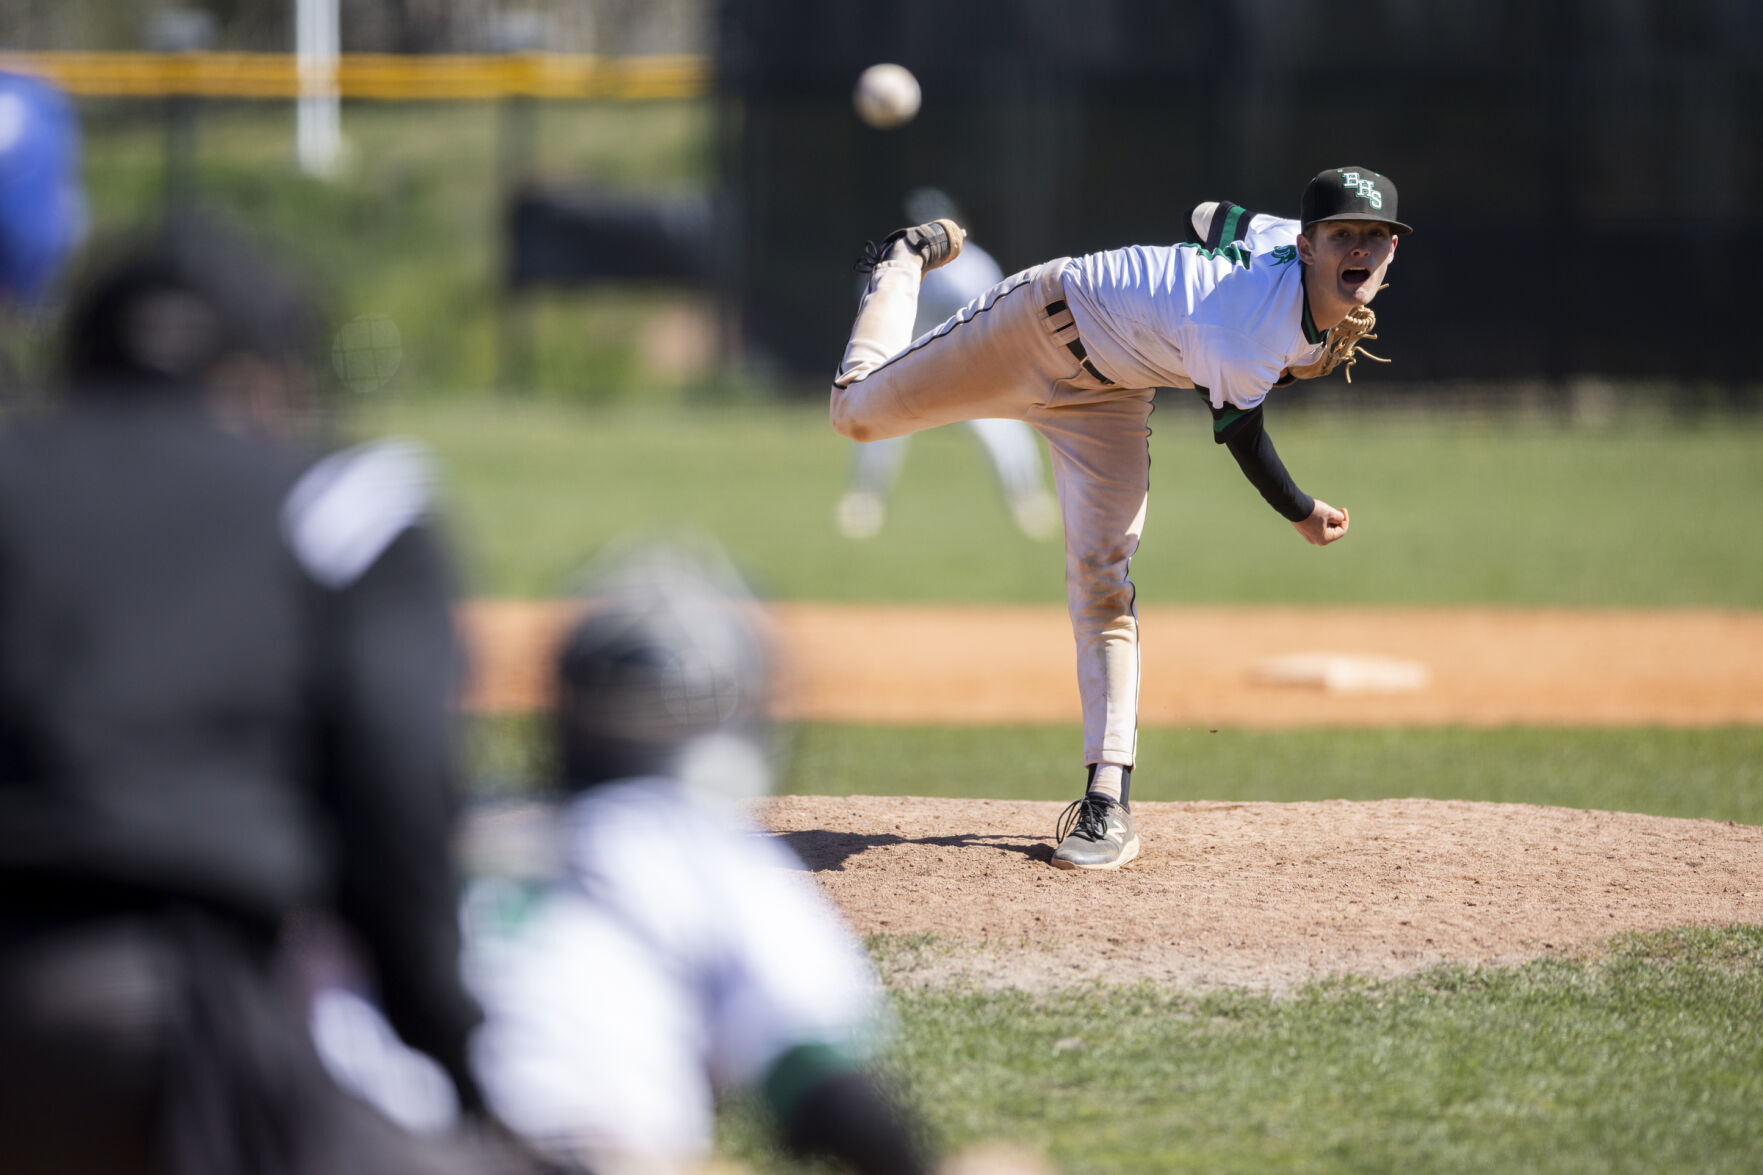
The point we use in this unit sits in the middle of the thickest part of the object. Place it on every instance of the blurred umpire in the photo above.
(226, 670)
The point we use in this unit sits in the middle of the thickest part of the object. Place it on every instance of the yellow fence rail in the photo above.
(375, 76)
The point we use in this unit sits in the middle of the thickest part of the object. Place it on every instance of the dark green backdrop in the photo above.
(1583, 176)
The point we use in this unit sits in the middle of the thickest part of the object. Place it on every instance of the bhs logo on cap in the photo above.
(1367, 189)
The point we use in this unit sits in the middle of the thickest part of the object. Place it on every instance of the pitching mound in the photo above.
(1261, 895)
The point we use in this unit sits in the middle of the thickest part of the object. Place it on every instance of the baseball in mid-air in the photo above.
(886, 96)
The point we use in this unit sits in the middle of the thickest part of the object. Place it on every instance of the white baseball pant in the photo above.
(1014, 353)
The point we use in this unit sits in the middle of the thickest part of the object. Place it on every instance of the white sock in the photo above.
(1107, 780)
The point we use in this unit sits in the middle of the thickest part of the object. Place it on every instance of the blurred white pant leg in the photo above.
(875, 465)
(863, 507)
(1014, 453)
(1015, 456)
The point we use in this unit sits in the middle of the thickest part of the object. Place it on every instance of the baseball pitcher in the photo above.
(1077, 347)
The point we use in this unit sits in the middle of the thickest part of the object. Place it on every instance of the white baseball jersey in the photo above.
(1229, 320)
(683, 950)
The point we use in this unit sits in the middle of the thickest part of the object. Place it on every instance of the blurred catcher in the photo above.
(678, 950)
(1078, 348)
(647, 947)
(226, 666)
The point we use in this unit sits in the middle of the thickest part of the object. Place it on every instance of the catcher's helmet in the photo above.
(671, 657)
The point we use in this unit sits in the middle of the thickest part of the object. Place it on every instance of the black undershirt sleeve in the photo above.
(1244, 433)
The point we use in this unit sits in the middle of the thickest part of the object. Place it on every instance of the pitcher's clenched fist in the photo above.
(1324, 526)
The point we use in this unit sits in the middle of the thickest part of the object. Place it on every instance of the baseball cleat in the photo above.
(1095, 832)
(938, 243)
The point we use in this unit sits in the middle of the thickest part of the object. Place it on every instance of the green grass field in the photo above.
(1703, 774)
(1647, 1059)
(1714, 774)
(1446, 510)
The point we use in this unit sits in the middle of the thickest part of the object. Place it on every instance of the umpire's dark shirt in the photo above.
(225, 675)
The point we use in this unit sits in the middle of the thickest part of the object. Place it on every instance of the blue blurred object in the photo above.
(42, 207)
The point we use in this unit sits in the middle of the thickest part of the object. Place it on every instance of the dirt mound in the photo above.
(1261, 895)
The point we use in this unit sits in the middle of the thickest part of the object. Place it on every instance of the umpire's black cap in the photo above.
(1351, 193)
(164, 310)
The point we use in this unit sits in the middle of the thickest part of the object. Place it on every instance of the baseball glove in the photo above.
(1343, 345)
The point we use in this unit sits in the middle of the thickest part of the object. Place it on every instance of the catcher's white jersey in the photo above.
(683, 950)
(1228, 320)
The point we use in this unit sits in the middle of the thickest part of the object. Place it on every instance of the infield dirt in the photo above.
(962, 665)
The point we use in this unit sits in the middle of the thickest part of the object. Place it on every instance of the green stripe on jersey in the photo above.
(1235, 254)
(1229, 232)
(1222, 418)
(1227, 416)
(1311, 334)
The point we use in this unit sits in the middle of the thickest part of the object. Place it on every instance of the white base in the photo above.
(1343, 673)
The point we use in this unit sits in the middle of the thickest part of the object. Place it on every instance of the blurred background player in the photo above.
(226, 671)
(1011, 446)
(676, 950)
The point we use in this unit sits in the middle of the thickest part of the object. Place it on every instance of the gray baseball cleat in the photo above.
(1095, 833)
(938, 242)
